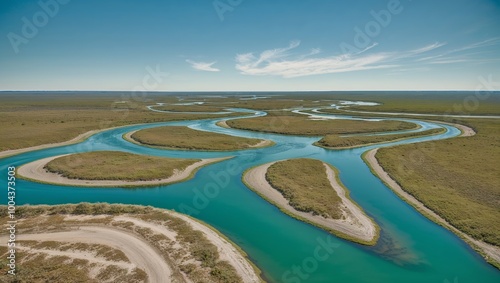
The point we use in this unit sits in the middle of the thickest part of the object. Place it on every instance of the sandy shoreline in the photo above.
(140, 251)
(35, 171)
(223, 124)
(491, 252)
(77, 139)
(355, 223)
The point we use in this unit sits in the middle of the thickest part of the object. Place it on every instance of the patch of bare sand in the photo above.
(354, 224)
(139, 252)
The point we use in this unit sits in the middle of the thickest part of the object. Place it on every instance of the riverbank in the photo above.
(490, 252)
(355, 225)
(122, 243)
(35, 171)
(336, 142)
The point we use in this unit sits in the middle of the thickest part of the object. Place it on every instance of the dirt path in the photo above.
(356, 224)
(139, 252)
(35, 171)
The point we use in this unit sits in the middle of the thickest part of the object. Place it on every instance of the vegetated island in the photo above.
(120, 243)
(111, 169)
(460, 188)
(302, 125)
(178, 137)
(339, 142)
(309, 190)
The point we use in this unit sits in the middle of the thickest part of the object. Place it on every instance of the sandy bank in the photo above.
(223, 124)
(139, 252)
(35, 171)
(77, 139)
(142, 252)
(356, 225)
(491, 252)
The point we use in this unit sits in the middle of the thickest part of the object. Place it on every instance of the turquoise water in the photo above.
(411, 249)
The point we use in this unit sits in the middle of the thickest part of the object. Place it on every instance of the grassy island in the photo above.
(303, 125)
(339, 142)
(115, 165)
(175, 137)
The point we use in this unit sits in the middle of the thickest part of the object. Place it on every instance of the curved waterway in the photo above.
(411, 247)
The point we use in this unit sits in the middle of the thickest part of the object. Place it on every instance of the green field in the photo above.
(173, 137)
(457, 178)
(302, 125)
(303, 182)
(339, 142)
(114, 165)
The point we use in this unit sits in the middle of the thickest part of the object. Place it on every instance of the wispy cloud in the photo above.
(203, 66)
(460, 54)
(280, 61)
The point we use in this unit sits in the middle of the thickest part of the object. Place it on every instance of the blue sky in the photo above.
(247, 45)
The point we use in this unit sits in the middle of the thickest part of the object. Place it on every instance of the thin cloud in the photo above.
(280, 62)
(203, 66)
(460, 54)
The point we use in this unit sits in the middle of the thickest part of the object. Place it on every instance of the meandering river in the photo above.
(411, 248)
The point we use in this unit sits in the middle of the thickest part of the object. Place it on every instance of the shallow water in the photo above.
(411, 248)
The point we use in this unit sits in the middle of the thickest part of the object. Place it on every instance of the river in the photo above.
(411, 248)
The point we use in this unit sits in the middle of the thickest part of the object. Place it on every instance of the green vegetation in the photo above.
(115, 165)
(186, 138)
(303, 182)
(339, 142)
(302, 125)
(458, 178)
(35, 119)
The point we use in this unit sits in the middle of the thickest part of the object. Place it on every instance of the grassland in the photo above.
(29, 119)
(302, 125)
(190, 248)
(303, 182)
(457, 178)
(339, 142)
(185, 138)
(114, 165)
(453, 105)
